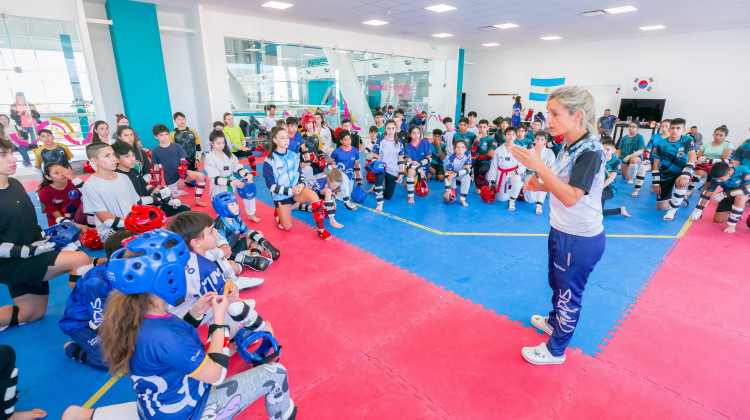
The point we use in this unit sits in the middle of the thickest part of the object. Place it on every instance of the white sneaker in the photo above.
(511, 205)
(541, 323)
(539, 209)
(244, 283)
(539, 355)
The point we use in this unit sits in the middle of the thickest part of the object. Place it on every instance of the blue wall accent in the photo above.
(459, 85)
(140, 66)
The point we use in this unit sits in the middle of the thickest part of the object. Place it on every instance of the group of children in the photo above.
(121, 316)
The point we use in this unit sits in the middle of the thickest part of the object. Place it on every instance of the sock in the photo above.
(410, 187)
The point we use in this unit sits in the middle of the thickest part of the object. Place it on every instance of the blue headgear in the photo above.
(62, 234)
(268, 351)
(159, 267)
(376, 166)
(248, 191)
(358, 194)
(221, 202)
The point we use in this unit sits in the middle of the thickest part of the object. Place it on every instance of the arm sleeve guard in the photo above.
(77, 182)
(656, 176)
(221, 180)
(278, 189)
(182, 169)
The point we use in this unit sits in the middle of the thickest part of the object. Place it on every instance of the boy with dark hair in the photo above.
(401, 134)
(170, 160)
(472, 125)
(481, 154)
(148, 193)
(346, 124)
(648, 155)
(500, 134)
(612, 168)
(521, 138)
(741, 155)
(107, 194)
(438, 156)
(505, 169)
(51, 151)
(388, 114)
(380, 123)
(187, 138)
(674, 163)
(463, 133)
(403, 126)
(735, 184)
(450, 130)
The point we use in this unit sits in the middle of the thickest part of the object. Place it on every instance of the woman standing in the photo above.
(576, 238)
(517, 109)
(6, 128)
(25, 115)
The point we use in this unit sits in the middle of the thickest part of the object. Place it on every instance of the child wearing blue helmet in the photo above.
(173, 371)
(226, 174)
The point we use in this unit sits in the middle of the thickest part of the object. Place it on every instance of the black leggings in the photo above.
(384, 178)
(242, 153)
(607, 194)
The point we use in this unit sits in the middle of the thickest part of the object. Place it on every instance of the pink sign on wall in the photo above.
(396, 88)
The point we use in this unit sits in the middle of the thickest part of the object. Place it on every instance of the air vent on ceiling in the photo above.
(593, 13)
(327, 19)
(487, 28)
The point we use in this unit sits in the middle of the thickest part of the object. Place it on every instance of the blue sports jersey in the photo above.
(614, 165)
(209, 276)
(740, 178)
(673, 156)
(742, 153)
(345, 160)
(469, 138)
(515, 120)
(455, 163)
(318, 183)
(389, 152)
(234, 230)
(525, 142)
(85, 306)
(629, 145)
(296, 141)
(421, 151)
(652, 142)
(481, 148)
(435, 157)
(283, 170)
(167, 352)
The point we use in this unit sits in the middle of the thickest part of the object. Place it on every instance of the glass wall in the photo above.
(299, 77)
(44, 81)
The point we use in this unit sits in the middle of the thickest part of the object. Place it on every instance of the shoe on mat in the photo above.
(539, 355)
(541, 323)
(244, 283)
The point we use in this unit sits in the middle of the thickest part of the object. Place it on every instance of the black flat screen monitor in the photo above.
(648, 109)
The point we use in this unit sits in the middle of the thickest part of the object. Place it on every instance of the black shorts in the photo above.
(438, 167)
(725, 205)
(667, 187)
(280, 203)
(26, 275)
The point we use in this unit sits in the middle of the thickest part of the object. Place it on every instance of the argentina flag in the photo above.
(541, 88)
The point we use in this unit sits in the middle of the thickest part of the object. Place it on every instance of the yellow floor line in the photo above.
(437, 232)
(103, 390)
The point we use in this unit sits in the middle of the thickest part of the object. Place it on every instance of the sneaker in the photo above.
(539, 209)
(511, 205)
(244, 283)
(541, 323)
(539, 355)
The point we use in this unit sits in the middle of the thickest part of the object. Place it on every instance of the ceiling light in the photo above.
(440, 8)
(407, 74)
(308, 55)
(652, 27)
(593, 13)
(442, 35)
(277, 5)
(375, 22)
(550, 38)
(343, 51)
(252, 49)
(622, 9)
(505, 26)
(230, 55)
(491, 44)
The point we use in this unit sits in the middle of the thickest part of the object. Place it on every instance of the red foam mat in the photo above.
(605, 391)
(468, 361)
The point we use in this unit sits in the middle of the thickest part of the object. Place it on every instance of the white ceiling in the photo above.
(409, 19)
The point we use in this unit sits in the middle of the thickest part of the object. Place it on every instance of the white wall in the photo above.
(213, 26)
(703, 75)
(41, 9)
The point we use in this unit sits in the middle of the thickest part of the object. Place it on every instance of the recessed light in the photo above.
(252, 49)
(442, 35)
(505, 26)
(551, 38)
(622, 9)
(277, 5)
(440, 8)
(593, 13)
(375, 22)
(652, 27)
(491, 44)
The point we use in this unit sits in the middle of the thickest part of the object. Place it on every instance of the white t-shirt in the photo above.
(270, 122)
(116, 196)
